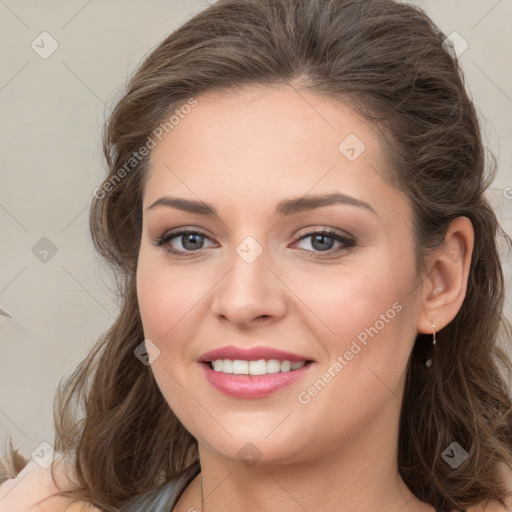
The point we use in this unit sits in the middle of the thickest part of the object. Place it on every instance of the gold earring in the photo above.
(430, 360)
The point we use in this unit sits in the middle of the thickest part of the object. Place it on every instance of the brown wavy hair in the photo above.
(387, 61)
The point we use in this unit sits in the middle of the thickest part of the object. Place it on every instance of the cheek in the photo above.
(372, 320)
(168, 300)
(350, 303)
(168, 297)
(154, 300)
(366, 317)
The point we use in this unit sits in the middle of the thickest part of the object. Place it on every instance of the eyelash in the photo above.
(164, 241)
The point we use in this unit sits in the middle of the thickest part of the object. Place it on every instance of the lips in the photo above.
(251, 354)
(253, 387)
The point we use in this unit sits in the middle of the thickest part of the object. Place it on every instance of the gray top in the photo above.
(164, 497)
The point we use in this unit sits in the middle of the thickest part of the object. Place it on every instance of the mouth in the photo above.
(253, 372)
(252, 379)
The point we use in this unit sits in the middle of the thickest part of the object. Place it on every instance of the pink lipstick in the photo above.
(254, 372)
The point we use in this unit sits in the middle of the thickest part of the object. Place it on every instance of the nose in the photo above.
(250, 293)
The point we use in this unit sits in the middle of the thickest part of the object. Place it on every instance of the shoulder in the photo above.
(495, 507)
(33, 484)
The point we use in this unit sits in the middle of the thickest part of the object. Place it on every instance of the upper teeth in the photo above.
(260, 367)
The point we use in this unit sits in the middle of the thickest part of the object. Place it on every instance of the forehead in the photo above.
(262, 122)
(261, 143)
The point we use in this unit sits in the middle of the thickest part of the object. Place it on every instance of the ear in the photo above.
(444, 288)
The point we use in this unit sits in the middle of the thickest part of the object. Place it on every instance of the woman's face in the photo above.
(257, 275)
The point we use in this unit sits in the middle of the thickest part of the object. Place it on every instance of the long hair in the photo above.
(389, 62)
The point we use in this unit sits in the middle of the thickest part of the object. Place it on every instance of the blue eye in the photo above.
(323, 240)
(190, 240)
(193, 240)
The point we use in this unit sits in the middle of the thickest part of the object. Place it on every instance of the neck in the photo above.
(360, 473)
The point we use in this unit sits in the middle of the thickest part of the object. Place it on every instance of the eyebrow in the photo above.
(284, 208)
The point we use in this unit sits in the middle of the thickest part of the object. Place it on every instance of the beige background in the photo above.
(52, 111)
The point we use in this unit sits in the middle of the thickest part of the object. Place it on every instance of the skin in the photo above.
(243, 152)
